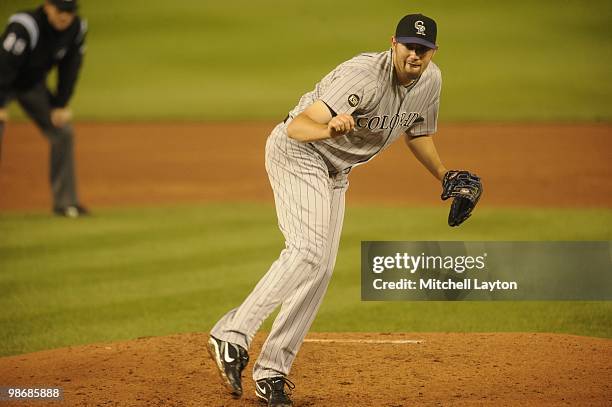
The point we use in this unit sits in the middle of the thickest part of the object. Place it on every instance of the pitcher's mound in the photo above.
(339, 369)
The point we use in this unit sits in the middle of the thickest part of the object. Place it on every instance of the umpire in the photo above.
(33, 43)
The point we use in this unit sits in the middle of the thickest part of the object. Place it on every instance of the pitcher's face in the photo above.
(410, 60)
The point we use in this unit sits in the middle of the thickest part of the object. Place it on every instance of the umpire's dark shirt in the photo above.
(30, 47)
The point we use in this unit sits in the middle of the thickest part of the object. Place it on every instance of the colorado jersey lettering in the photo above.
(383, 109)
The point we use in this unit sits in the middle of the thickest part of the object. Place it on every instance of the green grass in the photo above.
(192, 59)
(126, 273)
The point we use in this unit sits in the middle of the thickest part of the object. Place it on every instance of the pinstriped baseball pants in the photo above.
(310, 209)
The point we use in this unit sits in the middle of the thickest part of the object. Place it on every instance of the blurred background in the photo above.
(173, 107)
(195, 60)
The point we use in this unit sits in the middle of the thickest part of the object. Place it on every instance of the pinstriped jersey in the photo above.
(366, 87)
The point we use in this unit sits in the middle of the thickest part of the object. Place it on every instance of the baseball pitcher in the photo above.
(351, 115)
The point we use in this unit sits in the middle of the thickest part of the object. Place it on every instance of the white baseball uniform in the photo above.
(309, 181)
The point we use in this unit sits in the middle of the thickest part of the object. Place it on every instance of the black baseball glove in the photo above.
(466, 189)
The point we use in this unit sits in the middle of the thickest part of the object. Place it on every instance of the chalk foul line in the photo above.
(374, 341)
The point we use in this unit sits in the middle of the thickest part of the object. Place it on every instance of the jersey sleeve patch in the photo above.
(348, 92)
(9, 42)
(30, 25)
(14, 45)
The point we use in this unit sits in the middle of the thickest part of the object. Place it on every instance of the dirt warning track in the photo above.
(149, 163)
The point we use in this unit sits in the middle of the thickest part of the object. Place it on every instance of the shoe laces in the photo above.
(243, 355)
(281, 389)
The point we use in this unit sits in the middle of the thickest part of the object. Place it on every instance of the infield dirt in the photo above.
(554, 165)
(522, 369)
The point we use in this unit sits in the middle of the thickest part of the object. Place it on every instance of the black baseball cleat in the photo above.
(231, 359)
(71, 211)
(272, 391)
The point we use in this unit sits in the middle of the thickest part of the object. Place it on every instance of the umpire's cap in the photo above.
(417, 29)
(65, 5)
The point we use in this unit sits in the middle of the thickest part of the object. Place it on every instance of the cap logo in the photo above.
(353, 100)
(420, 27)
